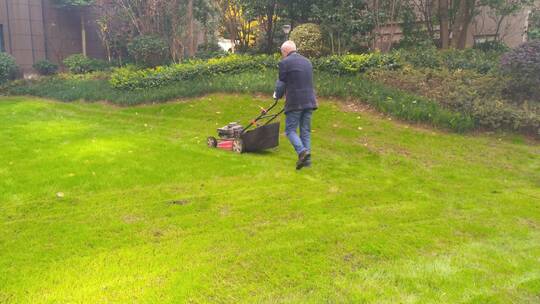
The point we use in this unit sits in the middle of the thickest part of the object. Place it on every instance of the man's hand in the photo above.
(275, 96)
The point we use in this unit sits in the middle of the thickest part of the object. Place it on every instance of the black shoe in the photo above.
(307, 163)
(302, 158)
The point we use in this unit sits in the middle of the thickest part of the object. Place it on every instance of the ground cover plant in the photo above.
(114, 204)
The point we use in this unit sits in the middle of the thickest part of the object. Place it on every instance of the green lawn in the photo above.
(390, 213)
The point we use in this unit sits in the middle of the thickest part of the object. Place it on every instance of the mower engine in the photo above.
(230, 131)
(229, 138)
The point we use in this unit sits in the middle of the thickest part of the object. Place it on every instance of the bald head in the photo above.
(287, 47)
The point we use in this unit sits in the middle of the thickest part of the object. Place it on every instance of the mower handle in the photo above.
(264, 114)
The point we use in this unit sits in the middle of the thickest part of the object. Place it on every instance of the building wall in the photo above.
(35, 29)
(22, 22)
(63, 32)
(513, 29)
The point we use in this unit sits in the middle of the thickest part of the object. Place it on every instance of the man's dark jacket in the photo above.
(296, 82)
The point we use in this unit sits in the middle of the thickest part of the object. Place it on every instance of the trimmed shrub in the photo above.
(149, 50)
(131, 78)
(309, 40)
(79, 64)
(522, 65)
(45, 67)
(354, 64)
(8, 67)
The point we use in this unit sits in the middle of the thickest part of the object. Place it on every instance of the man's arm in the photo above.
(281, 83)
(282, 71)
(281, 87)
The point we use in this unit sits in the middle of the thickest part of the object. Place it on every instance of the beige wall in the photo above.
(513, 29)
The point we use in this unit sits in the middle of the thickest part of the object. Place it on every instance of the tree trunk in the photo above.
(190, 38)
(83, 34)
(270, 27)
(444, 24)
(462, 22)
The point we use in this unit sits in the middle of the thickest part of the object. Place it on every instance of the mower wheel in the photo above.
(238, 146)
(212, 142)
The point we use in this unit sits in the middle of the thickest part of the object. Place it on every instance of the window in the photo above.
(2, 44)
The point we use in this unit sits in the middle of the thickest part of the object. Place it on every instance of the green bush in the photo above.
(80, 64)
(132, 78)
(491, 46)
(210, 50)
(423, 57)
(149, 50)
(45, 67)
(465, 91)
(8, 67)
(470, 59)
(452, 59)
(353, 64)
(522, 65)
(308, 39)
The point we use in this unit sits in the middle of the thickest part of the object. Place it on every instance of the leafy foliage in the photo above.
(466, 91)
(354, 64)
(346, 25)
(73, 3)
(80, 64)
(149, 50)
(308, 39)
(45, 67)
(523, 66)
(8, 67)
(492, 46)
(452, 59)
(534, 25)
(132, 78)
(210, 50)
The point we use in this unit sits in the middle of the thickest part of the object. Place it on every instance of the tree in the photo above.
(237, 22)
(346, 23)
(79, 5)
(444, 23)
(267, 12)
(175, 21)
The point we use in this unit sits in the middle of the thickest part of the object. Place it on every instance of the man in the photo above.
(296, 82)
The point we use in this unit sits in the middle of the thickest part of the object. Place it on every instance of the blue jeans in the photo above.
(300, 119)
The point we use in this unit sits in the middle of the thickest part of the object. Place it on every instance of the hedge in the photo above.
(131, 78)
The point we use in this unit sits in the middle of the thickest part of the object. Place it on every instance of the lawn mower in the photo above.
(260, 134)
